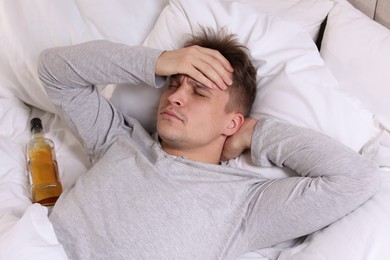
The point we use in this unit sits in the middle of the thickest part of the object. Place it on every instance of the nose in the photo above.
(175, 98)
(179, 95)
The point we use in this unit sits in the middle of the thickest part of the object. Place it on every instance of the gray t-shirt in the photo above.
(138, 202)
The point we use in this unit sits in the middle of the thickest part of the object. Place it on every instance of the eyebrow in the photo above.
(175, 78)
(199, 85)
(196, 84)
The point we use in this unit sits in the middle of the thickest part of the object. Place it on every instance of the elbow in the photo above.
(42, 68)
(365, 183)
(356, 184)
(47, 61)
(370, 177)
(373, 182)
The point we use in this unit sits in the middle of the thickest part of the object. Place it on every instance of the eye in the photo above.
(173, 85)
(199, 89)
(198, 93)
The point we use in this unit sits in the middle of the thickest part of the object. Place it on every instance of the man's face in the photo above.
(191, 115)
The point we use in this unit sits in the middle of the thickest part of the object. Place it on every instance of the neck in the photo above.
(210, 153)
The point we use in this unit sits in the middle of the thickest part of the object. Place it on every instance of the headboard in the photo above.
(378, 10)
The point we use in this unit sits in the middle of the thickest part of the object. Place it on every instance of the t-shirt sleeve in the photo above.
(70, 75)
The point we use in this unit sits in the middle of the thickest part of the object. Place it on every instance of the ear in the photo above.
(235, 122)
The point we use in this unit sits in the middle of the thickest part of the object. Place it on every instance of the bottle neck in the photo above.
(37, 132)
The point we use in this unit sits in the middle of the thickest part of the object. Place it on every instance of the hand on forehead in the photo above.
(203, 65)
(180, 79)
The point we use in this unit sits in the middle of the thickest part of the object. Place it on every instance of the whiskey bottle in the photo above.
(42, 167)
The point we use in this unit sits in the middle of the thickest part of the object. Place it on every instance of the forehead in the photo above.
(179, 78)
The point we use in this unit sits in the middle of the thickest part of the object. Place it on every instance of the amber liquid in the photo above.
(43, 172)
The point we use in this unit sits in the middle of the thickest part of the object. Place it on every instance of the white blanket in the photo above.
(26, 28)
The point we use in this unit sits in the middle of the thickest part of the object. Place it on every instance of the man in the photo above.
(168, 197)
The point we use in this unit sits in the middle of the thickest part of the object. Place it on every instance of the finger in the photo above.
(225, 155)
(200, 77)
(204, 65)
(218, 56)
(211, 75)
(223, 158)
(218, 74)
(228, 154)
(215, 67)
(195, 66)
(214, 71)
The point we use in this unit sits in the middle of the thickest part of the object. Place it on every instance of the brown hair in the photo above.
(242, 92)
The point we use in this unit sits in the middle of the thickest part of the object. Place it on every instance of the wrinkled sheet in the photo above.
(26, 232)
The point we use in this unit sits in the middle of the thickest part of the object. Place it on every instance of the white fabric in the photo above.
(293, 82)
(28, 27)
(364, 234)
(25, 230)
(314, 11)
(31, 237)
(357, 50)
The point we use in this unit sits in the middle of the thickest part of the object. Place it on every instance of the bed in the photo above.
(321, 64)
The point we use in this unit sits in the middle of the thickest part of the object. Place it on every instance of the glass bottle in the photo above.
(42, 167)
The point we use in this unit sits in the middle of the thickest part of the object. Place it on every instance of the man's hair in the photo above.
(242, 92)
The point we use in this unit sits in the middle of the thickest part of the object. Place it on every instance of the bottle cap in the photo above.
(35, 122)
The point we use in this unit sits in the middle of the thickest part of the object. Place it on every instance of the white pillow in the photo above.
(28, 27)
(127, 100)
(30, 237)
(357, 50)
(307, 13)
(293, 84)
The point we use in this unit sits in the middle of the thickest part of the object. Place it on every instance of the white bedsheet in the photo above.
(25, 230)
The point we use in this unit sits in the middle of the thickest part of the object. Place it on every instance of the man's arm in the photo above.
(273, 142)
(70, 73)
(335, 181)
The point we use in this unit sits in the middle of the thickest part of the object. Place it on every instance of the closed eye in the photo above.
(199, 92)
(200, 89)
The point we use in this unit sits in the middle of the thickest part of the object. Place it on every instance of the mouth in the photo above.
(170, 114)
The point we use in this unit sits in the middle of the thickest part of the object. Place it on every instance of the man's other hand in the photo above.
(236, 144)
